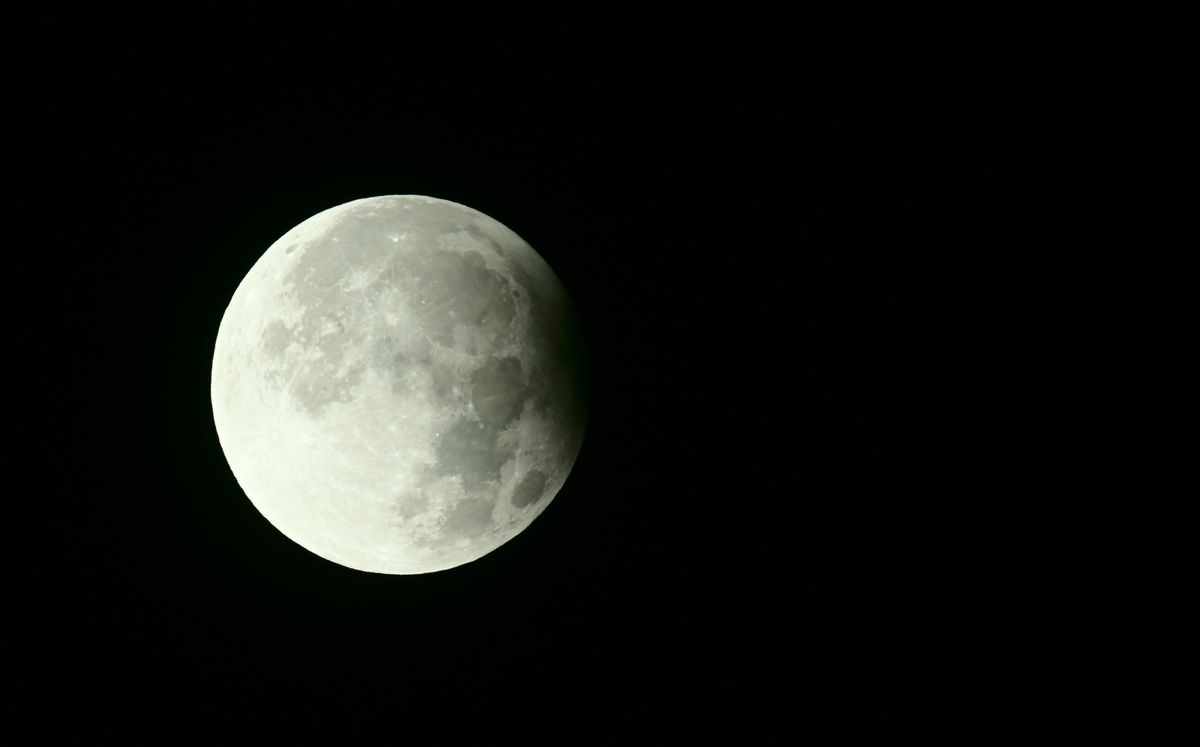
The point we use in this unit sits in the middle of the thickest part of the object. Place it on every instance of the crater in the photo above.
(468, 518)
(442, 379)
(483, 237)
(498, 391)
(319, 386)
(275, 339)
(316, 372)
(357, 239)
(471, 450)
(411, 504)
(457, 288)
(530, 489)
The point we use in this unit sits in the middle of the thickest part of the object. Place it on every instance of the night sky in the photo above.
(655, 568)
(784, 507)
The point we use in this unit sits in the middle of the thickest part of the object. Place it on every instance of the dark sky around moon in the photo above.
(767, 246)
(648, 564)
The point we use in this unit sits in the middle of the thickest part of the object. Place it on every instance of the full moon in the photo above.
(397, 384)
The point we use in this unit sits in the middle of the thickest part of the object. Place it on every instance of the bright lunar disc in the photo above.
(396, 384)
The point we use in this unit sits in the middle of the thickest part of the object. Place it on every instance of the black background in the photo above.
(839, 352)
(667, 575)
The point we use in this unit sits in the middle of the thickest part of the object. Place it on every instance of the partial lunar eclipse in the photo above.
(397, 384)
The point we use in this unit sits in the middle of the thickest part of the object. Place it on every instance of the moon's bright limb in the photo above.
(396, 384)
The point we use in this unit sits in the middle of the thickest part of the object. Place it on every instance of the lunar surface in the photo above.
(397, 384)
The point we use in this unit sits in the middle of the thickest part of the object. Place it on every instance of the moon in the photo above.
(397, 384)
